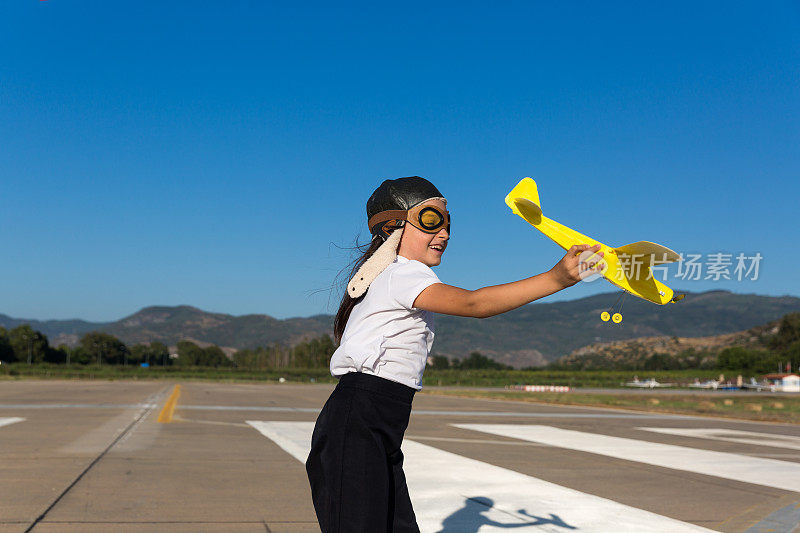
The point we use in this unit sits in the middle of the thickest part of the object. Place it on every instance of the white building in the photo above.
(785, 382)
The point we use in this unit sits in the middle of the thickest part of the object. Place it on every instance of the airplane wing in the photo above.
(648, 252)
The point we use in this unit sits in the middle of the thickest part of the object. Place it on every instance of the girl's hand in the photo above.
(570, 270)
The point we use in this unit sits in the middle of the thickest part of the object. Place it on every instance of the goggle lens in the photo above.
(430, 218)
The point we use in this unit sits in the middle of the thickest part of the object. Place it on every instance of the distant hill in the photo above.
(627, 353)
(541, 332)
(531, 335)
(172, 324)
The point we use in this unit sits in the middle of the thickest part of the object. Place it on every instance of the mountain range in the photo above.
(532, 335)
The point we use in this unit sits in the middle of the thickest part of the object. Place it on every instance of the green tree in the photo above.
(103, 348)
(140, 353)
(315, 353)
(788, 332)
(57, 355)
(6, 351)
(792, 352)
(80, 356)
(214, 356)
(735, 358)
(159, 353)
(28, 344)
(66, 353)
(476, 360)
(189, 354)
(246, 358)
(259, 357)
(756, 361)
(440, 361)
(155, 353)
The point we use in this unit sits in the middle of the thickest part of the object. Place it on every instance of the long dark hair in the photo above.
(346, 307)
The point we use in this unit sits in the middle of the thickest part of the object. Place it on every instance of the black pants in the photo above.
(355, 466)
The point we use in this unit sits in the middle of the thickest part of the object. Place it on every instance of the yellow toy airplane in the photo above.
(627, 267)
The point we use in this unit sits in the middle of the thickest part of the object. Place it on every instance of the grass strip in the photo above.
(433, 376)
(108, 372)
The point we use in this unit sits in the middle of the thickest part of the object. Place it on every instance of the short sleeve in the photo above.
(408, 280)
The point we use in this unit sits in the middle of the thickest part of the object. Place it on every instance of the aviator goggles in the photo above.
(427, 218)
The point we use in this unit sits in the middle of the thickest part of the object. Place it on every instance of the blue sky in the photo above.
(219, 154)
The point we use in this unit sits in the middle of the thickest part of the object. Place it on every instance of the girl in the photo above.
(385, 331)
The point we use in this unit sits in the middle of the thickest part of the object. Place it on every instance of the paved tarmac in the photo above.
(646, 391)
(92, 456)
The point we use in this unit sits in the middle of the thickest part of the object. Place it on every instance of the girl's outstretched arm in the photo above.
(490, 301)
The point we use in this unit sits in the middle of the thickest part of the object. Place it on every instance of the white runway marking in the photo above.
(452, 493)
(769, 472)
(10, 420)
(293, 437)
(733, 435)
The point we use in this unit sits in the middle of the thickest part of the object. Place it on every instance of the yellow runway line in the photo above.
(165, 416)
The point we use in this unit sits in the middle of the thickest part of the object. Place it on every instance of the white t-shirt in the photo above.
(385, 335)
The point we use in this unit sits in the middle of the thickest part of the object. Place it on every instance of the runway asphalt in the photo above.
(93, 456)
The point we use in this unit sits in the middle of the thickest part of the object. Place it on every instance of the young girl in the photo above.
(385, 331)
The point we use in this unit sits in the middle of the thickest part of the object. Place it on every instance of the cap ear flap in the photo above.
(390, 226)
(377, 263)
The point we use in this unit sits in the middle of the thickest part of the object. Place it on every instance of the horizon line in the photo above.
(332, 314)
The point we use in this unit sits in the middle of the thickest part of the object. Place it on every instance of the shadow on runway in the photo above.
(470, 518)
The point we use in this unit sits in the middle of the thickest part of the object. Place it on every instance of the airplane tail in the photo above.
(524, 201)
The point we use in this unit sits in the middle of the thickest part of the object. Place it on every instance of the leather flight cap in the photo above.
(400, 194)
(387, 210)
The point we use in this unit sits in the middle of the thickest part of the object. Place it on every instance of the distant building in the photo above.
(785, 382)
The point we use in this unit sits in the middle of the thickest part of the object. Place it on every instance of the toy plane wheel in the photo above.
(617, 318)
(604, 316)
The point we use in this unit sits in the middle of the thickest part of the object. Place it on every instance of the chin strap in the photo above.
(382, 258)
